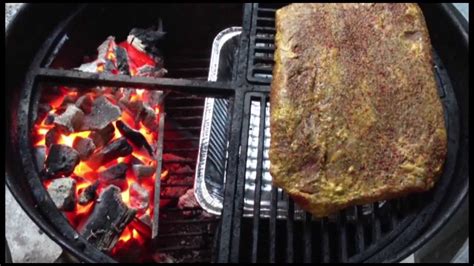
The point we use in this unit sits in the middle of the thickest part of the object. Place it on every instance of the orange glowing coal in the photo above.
(85, 176)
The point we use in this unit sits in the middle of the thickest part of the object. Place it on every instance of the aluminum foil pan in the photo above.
(212, 155)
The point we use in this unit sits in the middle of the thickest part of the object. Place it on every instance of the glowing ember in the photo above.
(138, 62)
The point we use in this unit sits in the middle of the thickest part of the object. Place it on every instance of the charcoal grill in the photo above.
(387, 232)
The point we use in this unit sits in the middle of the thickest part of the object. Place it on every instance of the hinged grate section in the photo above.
(262, 46)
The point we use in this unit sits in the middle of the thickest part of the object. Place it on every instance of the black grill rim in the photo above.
(237, 92)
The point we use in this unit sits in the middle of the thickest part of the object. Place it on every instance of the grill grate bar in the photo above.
(289, 228)
(172, 222)
(325, 240)
(180, 150)
(341, 224)
(182, 129)
(104, 79)
(239, 192)
(180, 248)
(258, 181)
(181, 118)
(265, 49)
(183, 139)
(375, 221)
(203, 233)
(181, 174)
(307, 237)
(268, 19)
(265, 29)
(262, 9)
(273, 213)
(174, 108)
(159, 154)
(359, 236)
(189, 161)
(177, 185)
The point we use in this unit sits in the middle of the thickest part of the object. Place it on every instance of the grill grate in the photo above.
(287, 234)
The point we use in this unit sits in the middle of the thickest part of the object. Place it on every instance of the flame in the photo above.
(146, 133)
(144, 158)
(100, 68)
(56, 103)
(69, 140)
(116, 132)
(84, 209)
(136, 235)
(81, 169)
(164, 175)
(111, 56)
(134, 98)
(127, 119)
(126, 235)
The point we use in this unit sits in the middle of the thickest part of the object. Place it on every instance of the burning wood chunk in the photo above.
(143, 171)
(134, 136)
(148, 117)
(71, 119)
(114, 175)
(108, 219)
(52, 136)
(85, 102)
(139, 197)
(40, 156)
(103, 136)
(103, 113)
(63, 193)
(84, 146)
(115, 149)
(61, 160)
(88, 194)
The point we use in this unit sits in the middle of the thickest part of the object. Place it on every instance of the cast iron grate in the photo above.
(359, 233)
